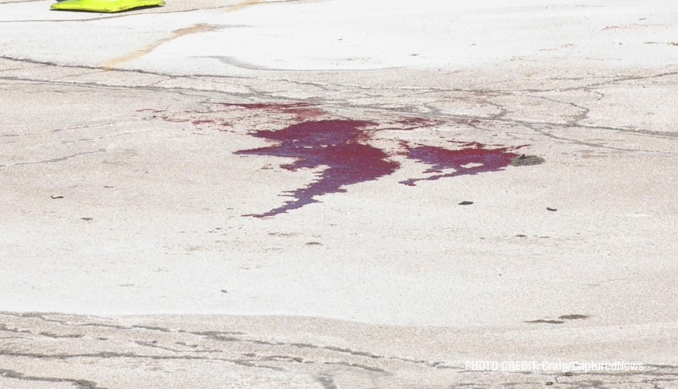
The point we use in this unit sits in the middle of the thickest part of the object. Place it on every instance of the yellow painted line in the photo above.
(244, 4)
(196, 28)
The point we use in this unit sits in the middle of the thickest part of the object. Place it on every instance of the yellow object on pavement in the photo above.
(105, 5)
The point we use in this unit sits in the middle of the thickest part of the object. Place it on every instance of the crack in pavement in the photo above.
(59, 159)
(231, 337)
(268, 358)
(498, 117)
(328, 348)
(118, 355)
(79, 384)
(325, 369)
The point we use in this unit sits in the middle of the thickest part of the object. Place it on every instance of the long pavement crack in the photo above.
(231, 336)
(78, 383)
(52, 160)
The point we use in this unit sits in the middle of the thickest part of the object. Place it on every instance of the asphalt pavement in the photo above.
(339, 194)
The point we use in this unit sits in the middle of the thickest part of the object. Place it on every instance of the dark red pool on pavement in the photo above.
(483, 160)
(340, 149)
(334, 144)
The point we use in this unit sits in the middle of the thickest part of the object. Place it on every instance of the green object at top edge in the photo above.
(105, 5)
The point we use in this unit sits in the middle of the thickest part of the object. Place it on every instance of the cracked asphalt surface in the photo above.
(138, 352)
(135, 149)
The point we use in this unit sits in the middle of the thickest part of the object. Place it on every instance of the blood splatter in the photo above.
(342, 149)
(480, 159)
(332, 143)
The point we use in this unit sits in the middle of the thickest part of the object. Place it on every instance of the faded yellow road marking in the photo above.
(244, 4)
(196, 28)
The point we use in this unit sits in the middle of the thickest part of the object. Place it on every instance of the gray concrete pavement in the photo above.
(267, 194)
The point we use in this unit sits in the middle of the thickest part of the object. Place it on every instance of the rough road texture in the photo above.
(52, 350)
(406, 188)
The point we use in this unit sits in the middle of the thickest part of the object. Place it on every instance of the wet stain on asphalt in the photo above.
(341, 146)
(472, 158)
(342, 149)
(337, 144)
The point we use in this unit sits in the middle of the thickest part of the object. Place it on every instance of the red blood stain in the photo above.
(342, 148)
(484, 160)
(335, 144)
